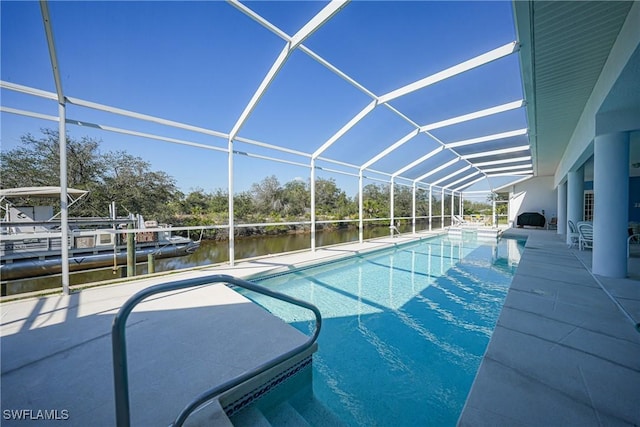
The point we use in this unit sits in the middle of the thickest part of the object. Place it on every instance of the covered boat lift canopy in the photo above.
(49, 191)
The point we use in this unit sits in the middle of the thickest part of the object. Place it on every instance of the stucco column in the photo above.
(562, 208)
(611, 204)
(575, 197)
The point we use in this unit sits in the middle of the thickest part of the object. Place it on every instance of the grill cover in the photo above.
(531, 218)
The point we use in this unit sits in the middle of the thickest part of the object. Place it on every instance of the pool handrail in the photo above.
(119, 348)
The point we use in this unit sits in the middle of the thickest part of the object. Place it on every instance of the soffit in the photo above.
(569, 45)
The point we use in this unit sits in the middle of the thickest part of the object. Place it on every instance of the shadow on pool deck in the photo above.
(562, 353)
(60, 359)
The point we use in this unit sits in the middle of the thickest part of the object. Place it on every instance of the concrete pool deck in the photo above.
(562, 354)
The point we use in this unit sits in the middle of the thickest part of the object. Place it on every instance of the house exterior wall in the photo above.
(533, 195)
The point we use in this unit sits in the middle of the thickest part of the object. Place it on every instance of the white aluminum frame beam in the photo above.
(508, 168)
(391, 206)
(430, 207)
(278, 32)
(344, 129)
(451, 175)
(418, 161)
(391, 148)
(519, 179)
(413, 208)
(496, 152)
(470, 64)
(527, 172)
(442, 208)
(494, 137)
(309, 28)
(469, 183)
(448, 122)
(46, 19)
(438, 169)
(28, 90)
(457, 69)
(29, 114)
(145, 117)
(475, 115)
(62, 147)
(464, 178)
(408, 89)
(503, 161)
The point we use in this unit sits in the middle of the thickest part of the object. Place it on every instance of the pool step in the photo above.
(313, 410)
(285, 415)
(252, 417)
(302, 409)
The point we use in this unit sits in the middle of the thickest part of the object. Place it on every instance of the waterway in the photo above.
(210, 252)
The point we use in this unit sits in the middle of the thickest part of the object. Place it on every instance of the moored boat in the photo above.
(31, 237)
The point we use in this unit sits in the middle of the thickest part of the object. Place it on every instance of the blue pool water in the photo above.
(404, 330)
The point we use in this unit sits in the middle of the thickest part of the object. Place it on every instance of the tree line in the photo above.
(129, 181)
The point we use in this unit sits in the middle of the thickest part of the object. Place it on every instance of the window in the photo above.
(588, 205)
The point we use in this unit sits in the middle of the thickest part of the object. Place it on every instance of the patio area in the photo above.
(566, 349)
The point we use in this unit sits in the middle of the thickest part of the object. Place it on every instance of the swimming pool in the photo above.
(404, 330)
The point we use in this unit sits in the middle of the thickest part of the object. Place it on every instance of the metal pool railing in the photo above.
(119, 348)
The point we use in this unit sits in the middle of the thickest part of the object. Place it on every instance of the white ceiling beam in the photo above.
(28, 90)
(503, 161)
(44, 9)
(272, 147)
(438, 169)
(345, 77)
(309, 28)
(494, 137)
(496, 152)
(464, 178)
(518, 180)
(145, 117)
(29, 114)
(317, 21)
(475, 115)
(366, 110)
(259, 93)
(528, 172)
(418, 161)
(391, 148)
(284, 36)
(469, 183)
(144, 135)
(452, 71)
(508, 168)
(337, 71)
(259, 19)
(451, 175)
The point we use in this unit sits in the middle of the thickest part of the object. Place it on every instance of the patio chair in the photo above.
(458, 220)
(585, 231)
(573, 234)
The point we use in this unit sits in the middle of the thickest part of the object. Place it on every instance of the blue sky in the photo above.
(200, 62)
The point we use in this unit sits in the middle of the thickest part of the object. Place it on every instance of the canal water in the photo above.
(210, 252)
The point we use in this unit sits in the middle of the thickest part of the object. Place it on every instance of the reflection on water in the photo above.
(210, 252)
